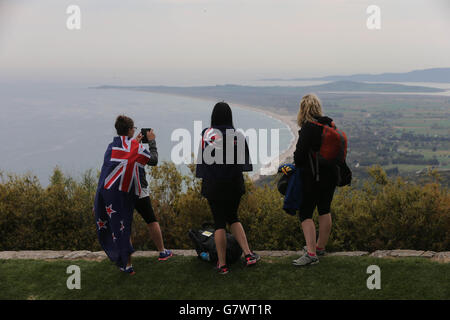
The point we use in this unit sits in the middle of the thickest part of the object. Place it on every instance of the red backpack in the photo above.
(332, 152)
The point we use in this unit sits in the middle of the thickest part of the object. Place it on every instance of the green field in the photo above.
(420, 125)
(190, 278)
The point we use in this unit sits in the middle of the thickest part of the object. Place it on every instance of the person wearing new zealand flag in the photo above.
(120, 186)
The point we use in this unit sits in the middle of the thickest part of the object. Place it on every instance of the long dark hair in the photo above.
(221, 115)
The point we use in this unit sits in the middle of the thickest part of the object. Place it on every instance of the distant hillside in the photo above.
(426, 75)
(344, 86)
(280, 97)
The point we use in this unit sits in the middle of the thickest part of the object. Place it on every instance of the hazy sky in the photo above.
(208, 41)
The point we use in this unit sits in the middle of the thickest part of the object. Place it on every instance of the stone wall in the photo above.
(100, 255)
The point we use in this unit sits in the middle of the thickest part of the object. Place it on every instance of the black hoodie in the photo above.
(309, 139)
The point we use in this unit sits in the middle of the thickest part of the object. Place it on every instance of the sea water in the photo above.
(47, 125)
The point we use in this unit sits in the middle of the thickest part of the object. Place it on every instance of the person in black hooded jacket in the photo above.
(223, 156)
(314, 193)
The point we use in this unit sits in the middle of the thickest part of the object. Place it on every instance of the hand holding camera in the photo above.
(146, 135)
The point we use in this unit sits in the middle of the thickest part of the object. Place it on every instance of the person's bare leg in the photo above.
(221, 245)
(324, 230)
(156, 235)
(309, 231)
(238, 232)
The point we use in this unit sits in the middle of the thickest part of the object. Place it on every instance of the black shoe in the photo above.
(222, 269)
(129, 270)
(251, 259)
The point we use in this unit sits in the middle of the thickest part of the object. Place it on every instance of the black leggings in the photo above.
(224, 211)
(319, 196)
(144, 207)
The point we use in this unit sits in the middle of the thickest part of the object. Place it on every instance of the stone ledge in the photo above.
(348, 254)
(403, 253)
(277, 253)
(33, 254)
(100, 255)
(442, 256)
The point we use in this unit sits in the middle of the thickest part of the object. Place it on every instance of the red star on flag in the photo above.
(101, 224)
(110, 210)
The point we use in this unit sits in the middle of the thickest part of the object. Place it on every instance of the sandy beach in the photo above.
(290, 121)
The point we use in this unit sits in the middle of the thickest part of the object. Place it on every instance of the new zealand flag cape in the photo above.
(118, 188)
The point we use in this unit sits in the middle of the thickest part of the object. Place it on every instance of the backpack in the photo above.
(203, 240)
(332, 152)
(290, 186)
(286, 171)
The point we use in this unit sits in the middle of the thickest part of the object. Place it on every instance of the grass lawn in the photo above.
(191, 278)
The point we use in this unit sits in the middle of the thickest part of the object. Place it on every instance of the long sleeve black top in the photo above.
(309, 139)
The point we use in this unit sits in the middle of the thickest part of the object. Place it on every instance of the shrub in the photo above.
(391, 214)
(385, 213)
(58, 217)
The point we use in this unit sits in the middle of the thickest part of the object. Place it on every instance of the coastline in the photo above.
(290, 121)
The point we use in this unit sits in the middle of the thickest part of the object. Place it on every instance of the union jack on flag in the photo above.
(128, 156)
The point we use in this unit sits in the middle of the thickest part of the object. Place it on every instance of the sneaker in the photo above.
(251, 259)
(222, 269)
(306, 260)
(166, 254)
(320, 252)
(129, 270)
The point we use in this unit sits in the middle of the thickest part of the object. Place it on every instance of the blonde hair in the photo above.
(310, 107)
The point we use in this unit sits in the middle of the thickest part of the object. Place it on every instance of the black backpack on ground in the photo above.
(203, 240)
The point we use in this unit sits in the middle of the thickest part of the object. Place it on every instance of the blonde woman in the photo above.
(316, 192)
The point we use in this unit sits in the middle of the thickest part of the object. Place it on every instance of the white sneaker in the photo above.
(306, 260)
